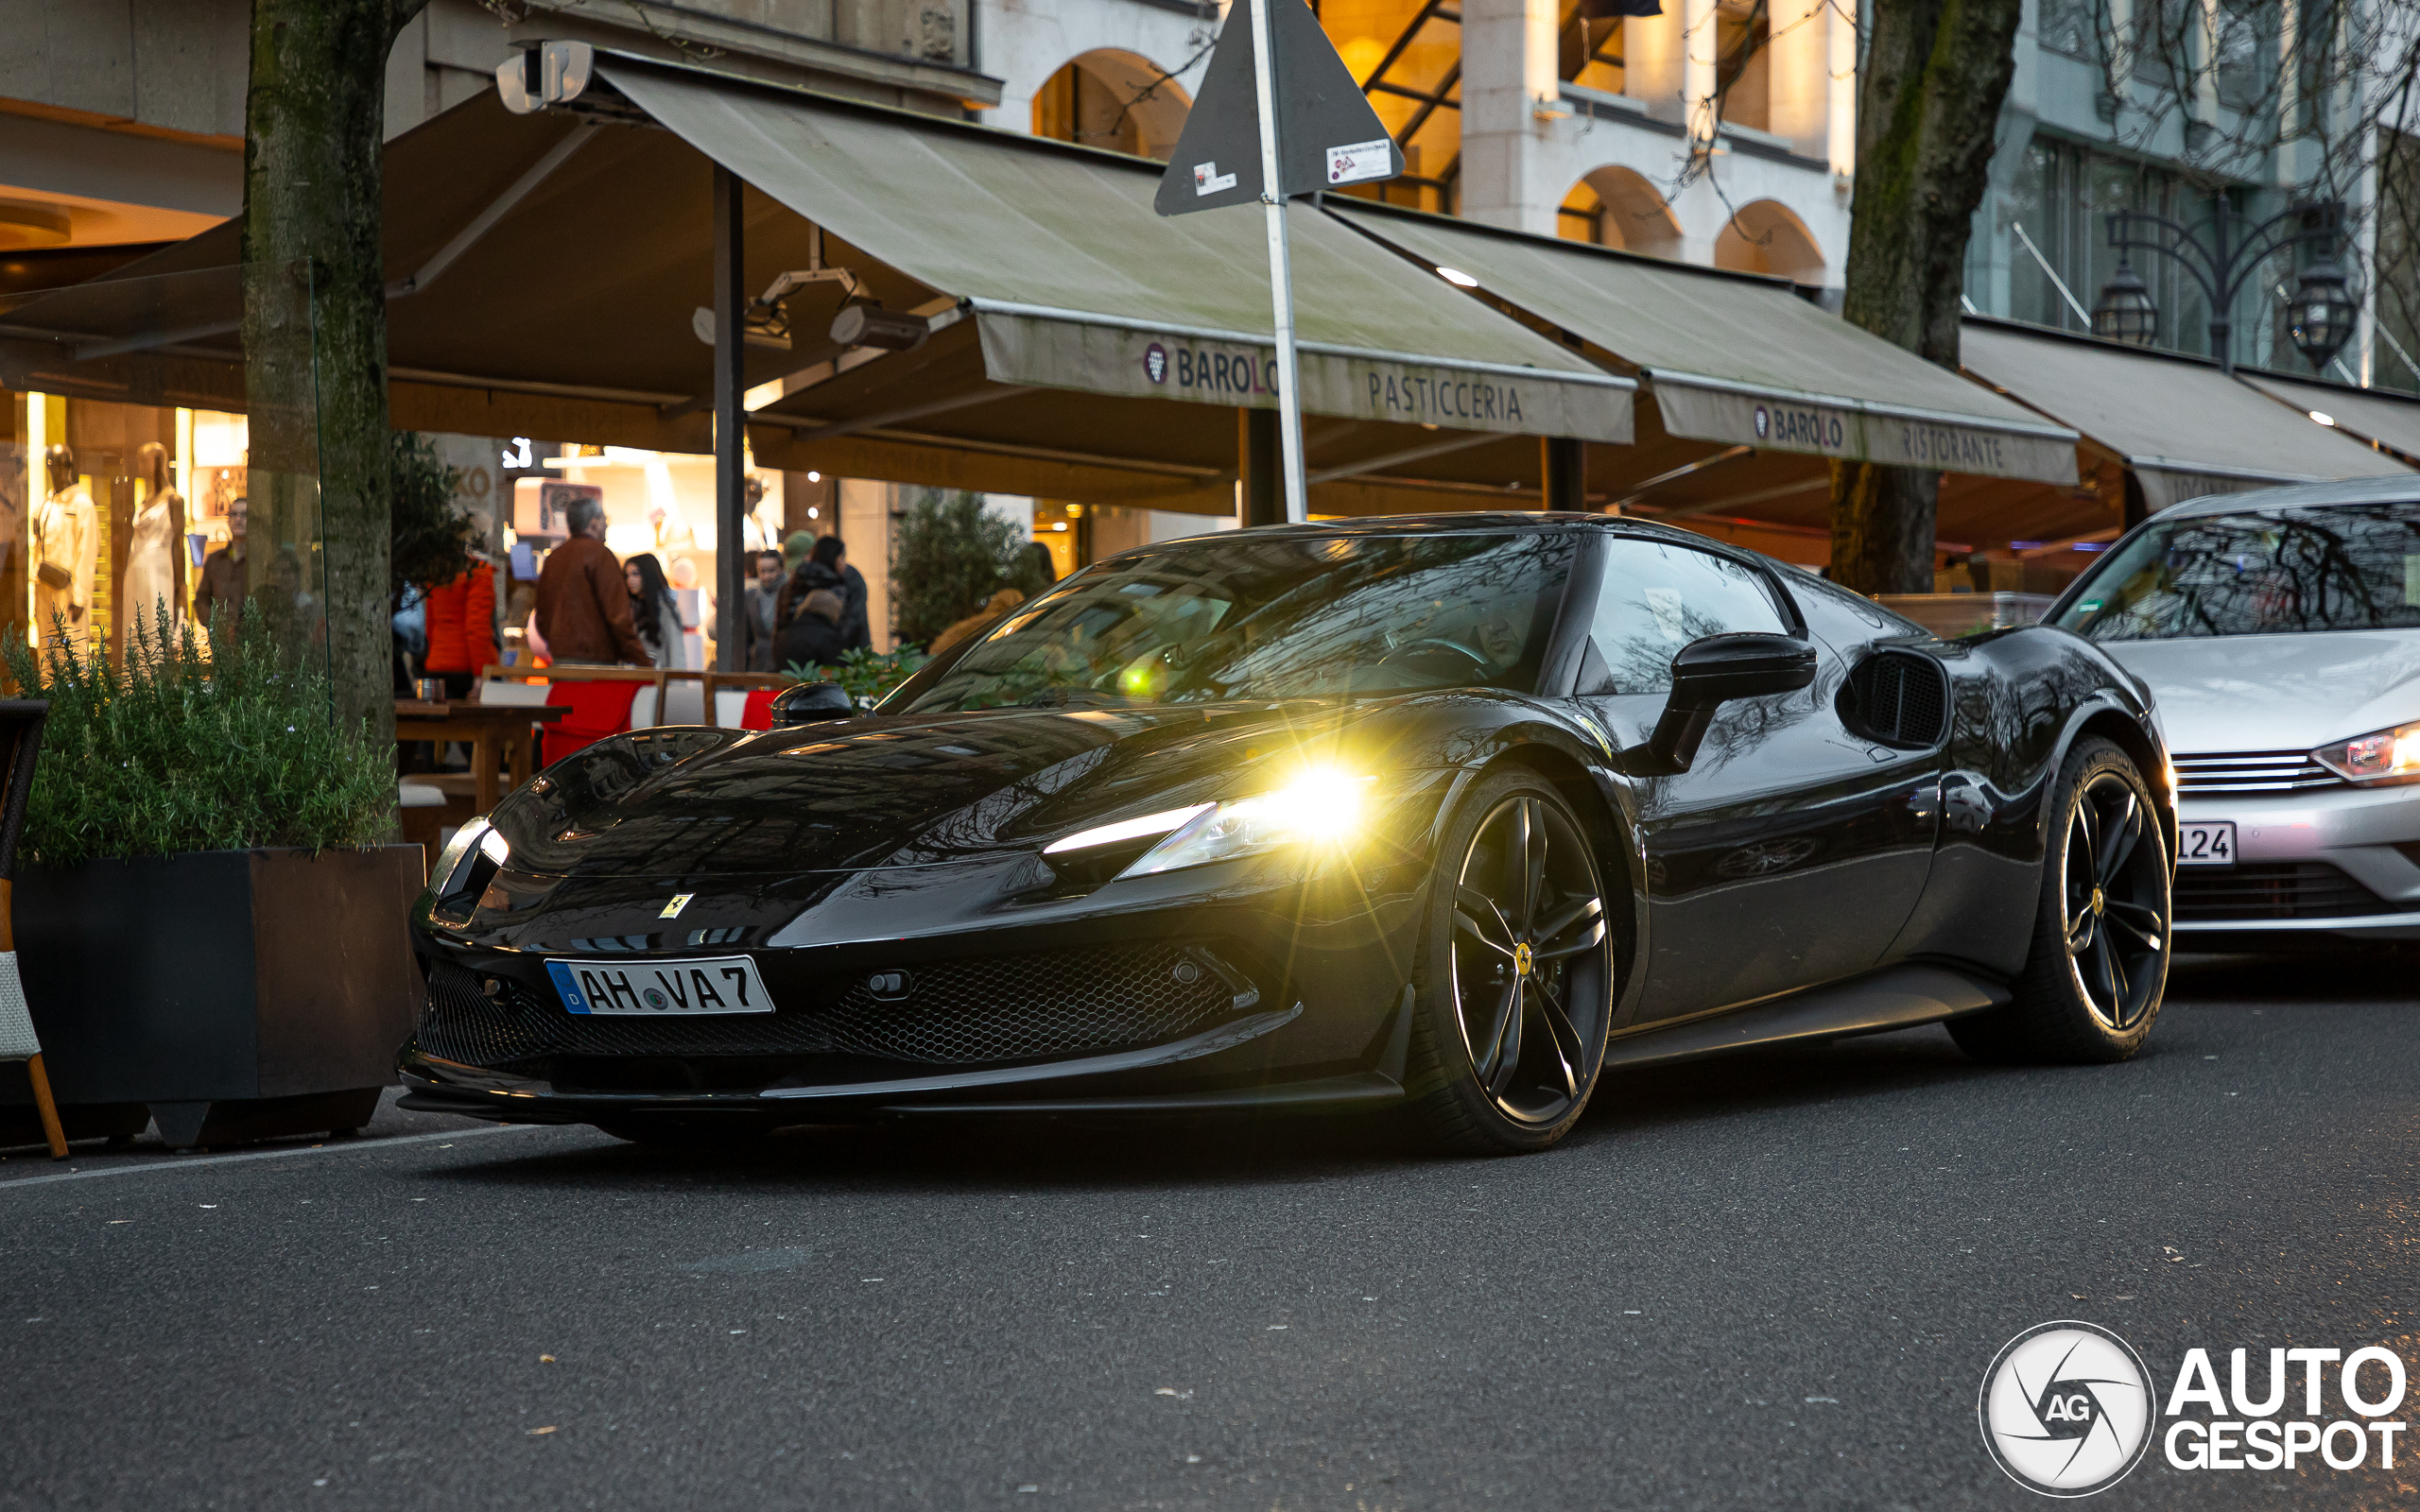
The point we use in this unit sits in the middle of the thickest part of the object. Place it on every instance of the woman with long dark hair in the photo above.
(657, 616)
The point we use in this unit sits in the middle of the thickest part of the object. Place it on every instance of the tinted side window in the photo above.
(1657, 599)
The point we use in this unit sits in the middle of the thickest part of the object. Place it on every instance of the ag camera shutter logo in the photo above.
(2066, 1409)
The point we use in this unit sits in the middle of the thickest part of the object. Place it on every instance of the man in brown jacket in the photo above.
(584, 599)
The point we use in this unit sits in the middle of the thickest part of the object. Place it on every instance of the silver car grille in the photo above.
(2252, 771)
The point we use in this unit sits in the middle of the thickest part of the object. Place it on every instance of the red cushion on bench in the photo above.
(597, 710)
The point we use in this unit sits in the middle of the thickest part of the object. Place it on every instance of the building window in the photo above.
(2396, 362)
(2247, 61)
(2060, 202)
(2071, 27)
(1741, 33)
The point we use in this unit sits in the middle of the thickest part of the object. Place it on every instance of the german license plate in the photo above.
(718, 984)
(2206, 843)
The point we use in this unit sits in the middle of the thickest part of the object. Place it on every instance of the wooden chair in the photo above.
(21, 738)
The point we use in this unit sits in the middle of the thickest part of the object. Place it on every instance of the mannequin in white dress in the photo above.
(151, 560)
(66, 534)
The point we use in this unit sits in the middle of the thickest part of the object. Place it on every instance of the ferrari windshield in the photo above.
(1282, 617)
(2339, 567)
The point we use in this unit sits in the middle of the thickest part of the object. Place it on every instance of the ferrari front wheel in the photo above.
(1514, 981)
(2092, 985)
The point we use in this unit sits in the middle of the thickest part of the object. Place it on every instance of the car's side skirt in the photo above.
(1898, 997)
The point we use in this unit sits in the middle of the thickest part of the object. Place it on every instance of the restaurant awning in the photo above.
(545, 270)
(2183, 427)
(1073, 283)
(1739, 358)
(2385, 419)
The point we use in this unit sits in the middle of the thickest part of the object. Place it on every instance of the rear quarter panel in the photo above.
(2020, 700)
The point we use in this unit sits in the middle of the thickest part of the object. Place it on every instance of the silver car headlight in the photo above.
(2385, 756)
(476, 840)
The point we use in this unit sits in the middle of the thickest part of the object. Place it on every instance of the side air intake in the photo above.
(1899, 698)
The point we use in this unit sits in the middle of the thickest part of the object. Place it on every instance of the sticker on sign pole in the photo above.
(1361, 161)
(1207, 180)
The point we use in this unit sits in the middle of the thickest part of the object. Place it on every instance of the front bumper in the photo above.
(1224, 987)
(2339, 862)
(1120, 1083)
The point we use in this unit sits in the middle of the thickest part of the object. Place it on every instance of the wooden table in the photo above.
(489, 728)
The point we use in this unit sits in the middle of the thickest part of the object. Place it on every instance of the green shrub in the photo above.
(181, 751)
(866, 673)
(949, 557)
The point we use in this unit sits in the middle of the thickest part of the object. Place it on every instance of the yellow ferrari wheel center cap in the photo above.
(2098, 900)
(1523, 958)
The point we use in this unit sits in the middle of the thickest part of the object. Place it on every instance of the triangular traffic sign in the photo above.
(1328, 134)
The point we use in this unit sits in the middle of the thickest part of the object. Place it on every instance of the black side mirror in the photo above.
(1708, 674)
(811, 703)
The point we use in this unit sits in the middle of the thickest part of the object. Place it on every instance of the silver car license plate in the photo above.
(2206, 843)
(718, 984)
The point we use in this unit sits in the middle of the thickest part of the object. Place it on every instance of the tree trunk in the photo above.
(1929, 103)
(315, 335)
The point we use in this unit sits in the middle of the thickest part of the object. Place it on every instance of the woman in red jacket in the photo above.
(461, 629)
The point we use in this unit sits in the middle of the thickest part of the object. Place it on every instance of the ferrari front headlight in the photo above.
(2387, 755)
(1320, 805)
(476, 840)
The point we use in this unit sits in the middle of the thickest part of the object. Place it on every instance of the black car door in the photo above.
(1793, 849)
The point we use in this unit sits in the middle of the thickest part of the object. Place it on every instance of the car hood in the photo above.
(2244, 693)
(856, 794)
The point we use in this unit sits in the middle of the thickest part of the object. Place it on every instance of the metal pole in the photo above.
(730, 471)
(1281, 274)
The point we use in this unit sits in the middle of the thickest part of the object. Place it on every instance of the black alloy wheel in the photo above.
(1518, 991)
(2115, 917)
(2092, 983)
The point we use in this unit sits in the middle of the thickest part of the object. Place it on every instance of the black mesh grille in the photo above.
(2301, 890)
(1898, 699)
(953, 1013)
(1011, 1007)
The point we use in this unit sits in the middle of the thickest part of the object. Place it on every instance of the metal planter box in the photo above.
(241, 994)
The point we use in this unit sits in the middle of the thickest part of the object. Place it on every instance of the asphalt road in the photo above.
(1770, 1281)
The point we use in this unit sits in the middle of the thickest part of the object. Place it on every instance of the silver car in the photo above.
(2279, 632)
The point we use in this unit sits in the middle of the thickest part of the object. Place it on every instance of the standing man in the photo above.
(834, 557)
(583, 599)
(758, 624)
(222, 574)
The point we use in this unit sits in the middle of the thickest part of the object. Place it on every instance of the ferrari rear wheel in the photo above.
(1514, 983)
(2093, 983)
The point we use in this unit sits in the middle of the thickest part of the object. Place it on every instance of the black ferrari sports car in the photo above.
(1439, 816)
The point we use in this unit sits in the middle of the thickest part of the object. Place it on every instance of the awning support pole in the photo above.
(731, 436)
(1566, 472)
(1281, 272)
(1260, 500)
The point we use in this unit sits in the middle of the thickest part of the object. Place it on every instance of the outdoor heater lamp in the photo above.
(863, 323)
